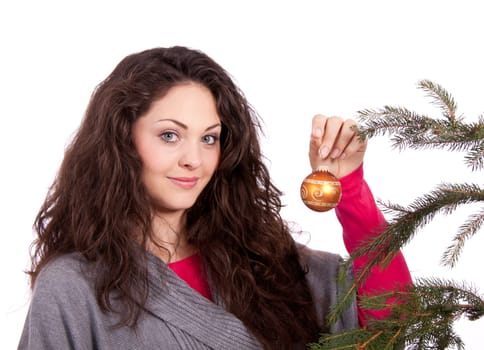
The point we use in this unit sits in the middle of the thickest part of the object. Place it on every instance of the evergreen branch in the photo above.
(401, 229)
(447, 299)
(429, 309)
(441, 98)
(461, 138)
(345, 300)
(475, 157)
(359, 339)
(466, 231)
(411, 130)
(390, 120)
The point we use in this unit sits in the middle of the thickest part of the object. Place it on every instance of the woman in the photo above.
(163, 228)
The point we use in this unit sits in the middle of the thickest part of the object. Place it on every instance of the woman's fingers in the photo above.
(331, 136)
(345, 140)
(335, 144)
(317, 131)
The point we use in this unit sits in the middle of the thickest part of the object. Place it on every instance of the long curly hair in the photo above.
(98, 202)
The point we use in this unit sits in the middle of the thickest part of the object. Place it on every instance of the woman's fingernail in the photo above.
(323, 152)
(335, 153)
(317, 132)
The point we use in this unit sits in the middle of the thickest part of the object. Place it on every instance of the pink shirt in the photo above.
(191, 271)
(360, 217)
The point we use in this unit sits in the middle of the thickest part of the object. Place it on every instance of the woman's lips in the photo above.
(184, 182)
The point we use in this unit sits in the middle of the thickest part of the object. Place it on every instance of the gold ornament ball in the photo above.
(321, 191)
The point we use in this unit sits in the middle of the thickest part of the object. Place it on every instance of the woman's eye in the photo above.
(169, 136)
(209, 139)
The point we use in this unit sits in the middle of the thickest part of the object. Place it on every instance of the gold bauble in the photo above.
(321, 190)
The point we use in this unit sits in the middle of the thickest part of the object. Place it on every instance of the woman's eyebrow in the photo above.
(184, 126)
(180, 124)
(213, 126)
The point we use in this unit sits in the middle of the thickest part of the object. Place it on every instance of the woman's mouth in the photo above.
(184, 182)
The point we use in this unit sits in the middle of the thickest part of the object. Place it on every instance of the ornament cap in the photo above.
(322, 168)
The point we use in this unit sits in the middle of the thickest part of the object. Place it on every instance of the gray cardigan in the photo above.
(64, 314)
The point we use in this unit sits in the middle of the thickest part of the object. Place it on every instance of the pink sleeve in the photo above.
(360, 218)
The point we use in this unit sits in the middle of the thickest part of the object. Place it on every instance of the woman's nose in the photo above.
(191, 156)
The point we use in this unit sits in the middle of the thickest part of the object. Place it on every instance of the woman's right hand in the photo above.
(335, 145)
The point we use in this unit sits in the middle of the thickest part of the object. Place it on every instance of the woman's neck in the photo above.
(169, 241)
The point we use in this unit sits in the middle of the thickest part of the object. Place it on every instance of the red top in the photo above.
(191, 271)
(360, 217)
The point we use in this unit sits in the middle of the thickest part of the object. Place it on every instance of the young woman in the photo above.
(162, 229)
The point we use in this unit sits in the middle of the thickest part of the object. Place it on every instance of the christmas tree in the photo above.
(425, 314)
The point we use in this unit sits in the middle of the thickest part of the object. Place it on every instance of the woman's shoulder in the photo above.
(322, 269)
(65, 274)
(317, 259)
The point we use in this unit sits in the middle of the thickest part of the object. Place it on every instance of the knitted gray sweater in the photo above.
(64, 314)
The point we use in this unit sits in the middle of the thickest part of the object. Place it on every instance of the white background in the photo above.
(293, 59)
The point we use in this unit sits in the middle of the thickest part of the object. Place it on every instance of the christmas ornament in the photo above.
(321, 190)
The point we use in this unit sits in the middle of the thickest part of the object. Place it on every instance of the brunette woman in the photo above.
(162, 229)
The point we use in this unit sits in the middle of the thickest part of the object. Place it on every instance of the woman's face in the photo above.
(178, 141)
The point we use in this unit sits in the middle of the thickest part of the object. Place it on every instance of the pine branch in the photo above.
(441, 98)
(360, 339)
(475, 156)
(349, 295)
(422, 317)
(407, 221)
(390, 120)
(432, 306)
(465, 232)
(409, 129)
(448, 297)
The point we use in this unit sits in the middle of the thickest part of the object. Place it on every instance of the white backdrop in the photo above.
(293, 59)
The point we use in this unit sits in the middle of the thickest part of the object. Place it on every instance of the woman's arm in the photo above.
(360, 219)
(335, 145)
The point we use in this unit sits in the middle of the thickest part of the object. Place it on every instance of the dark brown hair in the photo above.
(98, 202)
